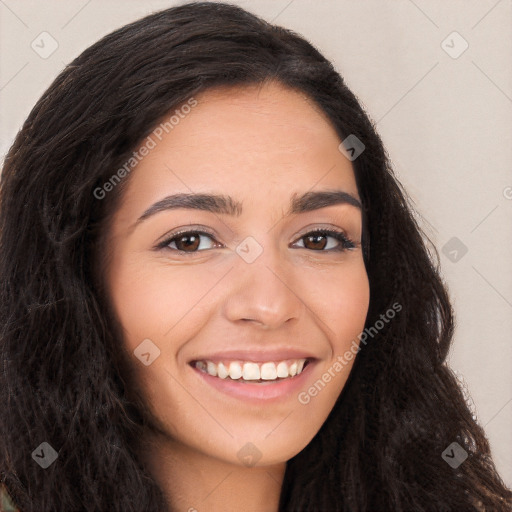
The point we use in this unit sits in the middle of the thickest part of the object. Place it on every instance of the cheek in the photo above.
(340, 299)
(150, 300)
(340, 302)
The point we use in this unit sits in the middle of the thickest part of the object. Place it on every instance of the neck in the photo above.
(194, 481)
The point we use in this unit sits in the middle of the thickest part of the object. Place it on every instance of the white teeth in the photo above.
(235, 370)
(251, 371)
(221, 371)
(269, 372)
(211, 368)
(282, 370)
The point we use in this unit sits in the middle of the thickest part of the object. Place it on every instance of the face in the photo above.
(237, 309)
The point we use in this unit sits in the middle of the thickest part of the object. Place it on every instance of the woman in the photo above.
(294, 362)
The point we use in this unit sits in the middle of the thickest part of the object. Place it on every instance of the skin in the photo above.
(260, 145)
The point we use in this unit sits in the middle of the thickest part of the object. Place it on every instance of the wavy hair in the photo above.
(62, 379)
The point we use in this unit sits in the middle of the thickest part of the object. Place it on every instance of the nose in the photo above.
(265, 292)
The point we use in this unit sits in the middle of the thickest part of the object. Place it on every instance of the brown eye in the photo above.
(318, 240)
(189, 242)
(315, 242)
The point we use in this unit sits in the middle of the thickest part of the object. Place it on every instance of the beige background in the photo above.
(447, 124)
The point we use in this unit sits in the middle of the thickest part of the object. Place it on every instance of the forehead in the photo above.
(263, 141)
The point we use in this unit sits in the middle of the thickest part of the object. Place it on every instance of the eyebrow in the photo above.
(226, 205)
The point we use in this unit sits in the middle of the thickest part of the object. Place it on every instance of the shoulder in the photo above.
(6, 503)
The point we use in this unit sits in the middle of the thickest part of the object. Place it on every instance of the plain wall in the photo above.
(446, 121)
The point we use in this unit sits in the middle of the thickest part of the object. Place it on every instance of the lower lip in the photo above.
(268, 391)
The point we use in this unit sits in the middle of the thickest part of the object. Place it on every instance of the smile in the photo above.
(251, 371)
(261, 382)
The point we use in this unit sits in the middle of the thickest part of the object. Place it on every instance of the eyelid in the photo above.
(322, 227)
(194, 228)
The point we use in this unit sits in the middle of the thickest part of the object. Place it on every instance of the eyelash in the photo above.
(345, 242)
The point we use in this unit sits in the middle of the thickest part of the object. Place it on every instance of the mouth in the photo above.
(256, 382)
(252, 372)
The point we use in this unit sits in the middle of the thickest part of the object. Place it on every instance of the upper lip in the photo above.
(256, 356)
